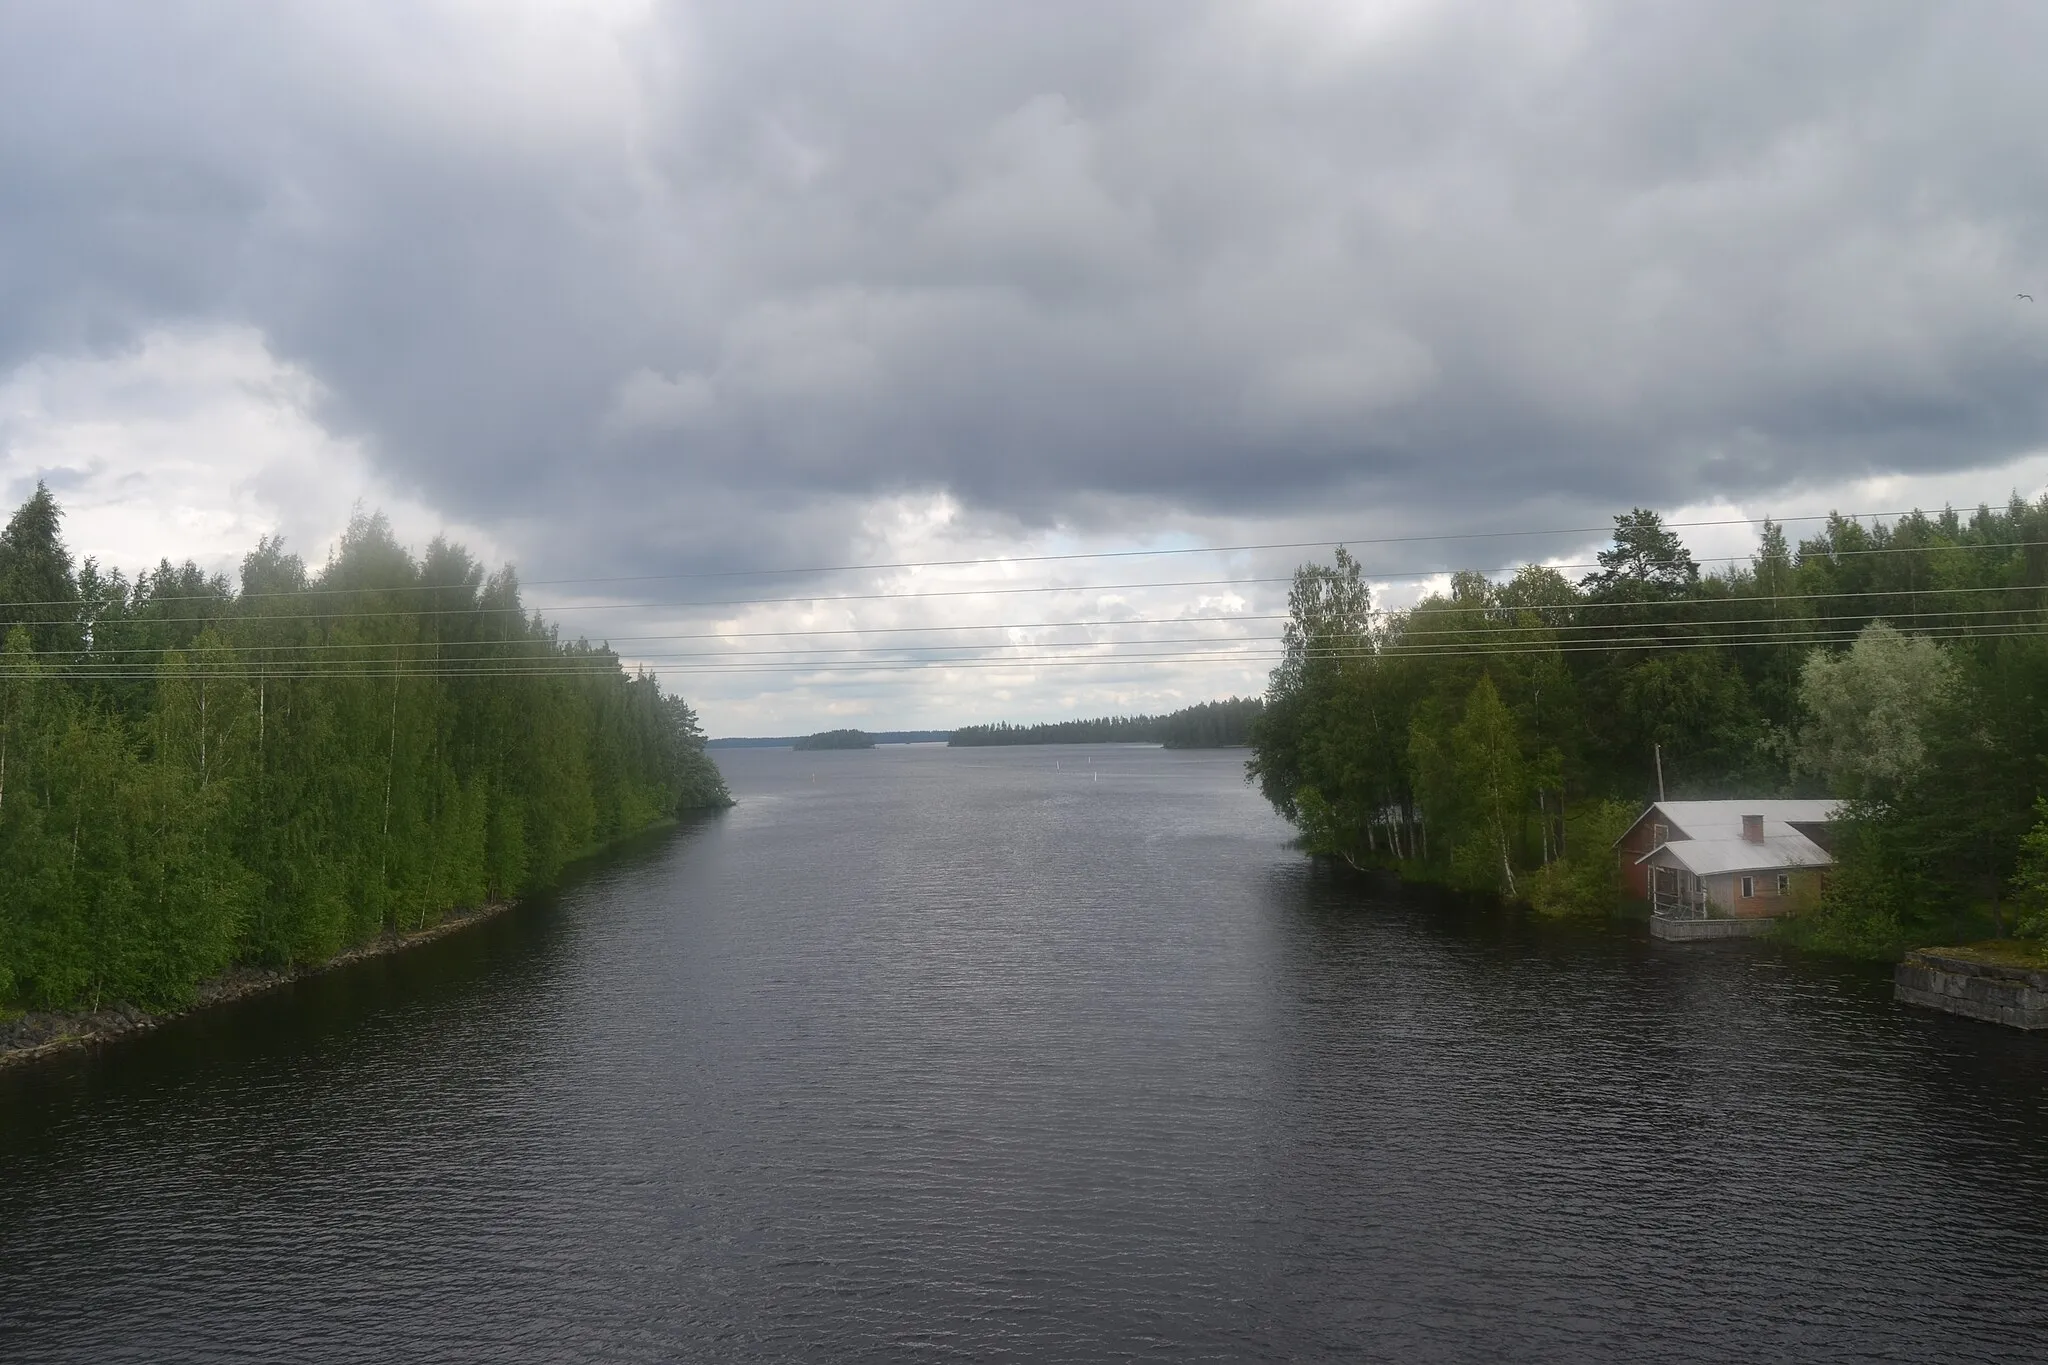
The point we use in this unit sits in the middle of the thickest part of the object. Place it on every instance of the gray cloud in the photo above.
(680, 282)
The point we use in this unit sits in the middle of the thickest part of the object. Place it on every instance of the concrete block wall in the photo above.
(1998, 994)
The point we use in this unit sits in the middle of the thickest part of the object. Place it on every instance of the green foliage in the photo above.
(1321, 831)
(1937, 858)
(1586, 881)
(1308, 731)
(836, 739)
(1876, 892)
(192, 777)
(1208, 725)
(1646, 559)
(1102, 730)
(37, 589)
(2030, 880)
(1223, 724)
(1872, 707)
(1473, 786)
(1452, 738)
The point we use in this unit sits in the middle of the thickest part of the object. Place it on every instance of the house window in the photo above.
(1748, 887)
(1784, 883)
(1660, 834)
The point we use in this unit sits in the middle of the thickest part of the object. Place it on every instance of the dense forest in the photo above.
(194, 776)
(836, 739)
(1209, 725)
(1223, 724)
(1103, 730)
(1499, 735)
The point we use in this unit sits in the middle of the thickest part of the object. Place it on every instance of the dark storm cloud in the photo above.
(682, 281)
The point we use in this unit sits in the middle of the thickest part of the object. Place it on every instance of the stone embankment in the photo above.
(38, 1034)
(1697, 930)
(1979, 983)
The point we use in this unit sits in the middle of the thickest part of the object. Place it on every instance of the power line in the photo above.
(1493, 612)
(1635, 644)
(1503, 632)
(1206, 549)
(979, 590)
(1504, 648)
(1785, 630)
(1068, 556)
(707, 575)
(544, 644)
(570, 607)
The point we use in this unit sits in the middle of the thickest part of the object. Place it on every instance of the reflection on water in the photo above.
(961, 1054)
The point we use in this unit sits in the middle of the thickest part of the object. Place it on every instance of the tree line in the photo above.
(1500, 735)
(195, 776)
(1207, 725)
(836, 739)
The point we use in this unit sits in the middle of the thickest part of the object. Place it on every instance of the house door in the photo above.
(1664, 891)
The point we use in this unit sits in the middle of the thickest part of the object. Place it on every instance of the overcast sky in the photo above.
(620, 290)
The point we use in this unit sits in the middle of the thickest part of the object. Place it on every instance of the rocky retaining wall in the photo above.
(1967, 985)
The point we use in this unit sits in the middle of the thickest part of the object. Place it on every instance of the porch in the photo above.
(1683, 909)
(1677, 894)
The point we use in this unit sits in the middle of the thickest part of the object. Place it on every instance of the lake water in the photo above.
(958, 1054)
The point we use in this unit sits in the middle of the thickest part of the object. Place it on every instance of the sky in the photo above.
(683, 309)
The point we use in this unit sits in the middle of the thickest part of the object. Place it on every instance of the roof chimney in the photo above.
(1752, 828)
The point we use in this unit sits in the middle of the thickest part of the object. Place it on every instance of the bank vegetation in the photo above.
(1499, 736)
(1222, 724)
(196, 776)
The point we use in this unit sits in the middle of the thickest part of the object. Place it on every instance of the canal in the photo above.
(1035, 1055)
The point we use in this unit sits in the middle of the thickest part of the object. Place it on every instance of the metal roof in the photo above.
(1783, 847)
(1723, 819)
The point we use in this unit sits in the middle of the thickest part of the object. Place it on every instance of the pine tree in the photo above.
(37, 588)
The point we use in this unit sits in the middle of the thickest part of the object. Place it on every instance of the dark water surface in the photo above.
(955, 1054)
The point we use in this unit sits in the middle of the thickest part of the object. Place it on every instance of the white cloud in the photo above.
(651, 288)
(198, 441)
(192, 444)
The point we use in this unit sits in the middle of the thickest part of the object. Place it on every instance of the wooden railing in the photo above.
(1680, 904)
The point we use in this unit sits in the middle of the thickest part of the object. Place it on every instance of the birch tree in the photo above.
(1871, 708)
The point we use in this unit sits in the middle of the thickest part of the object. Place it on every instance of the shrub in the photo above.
(1587, 880)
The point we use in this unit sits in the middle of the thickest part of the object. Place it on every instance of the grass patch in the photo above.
(2002, 952)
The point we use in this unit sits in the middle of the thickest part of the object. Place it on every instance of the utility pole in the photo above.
(1659, 749)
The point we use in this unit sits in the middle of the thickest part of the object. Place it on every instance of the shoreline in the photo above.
(45, 1033)
(36, 1034)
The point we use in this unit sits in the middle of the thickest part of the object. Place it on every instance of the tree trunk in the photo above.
(390, 762)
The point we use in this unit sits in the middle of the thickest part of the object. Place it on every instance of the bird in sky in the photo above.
(2028, 297)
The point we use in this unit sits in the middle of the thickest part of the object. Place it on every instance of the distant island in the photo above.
(803, 741)
(1223, 724)
(1209, 725)
(836, 739)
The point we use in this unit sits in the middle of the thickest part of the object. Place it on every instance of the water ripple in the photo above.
(957, 1055)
